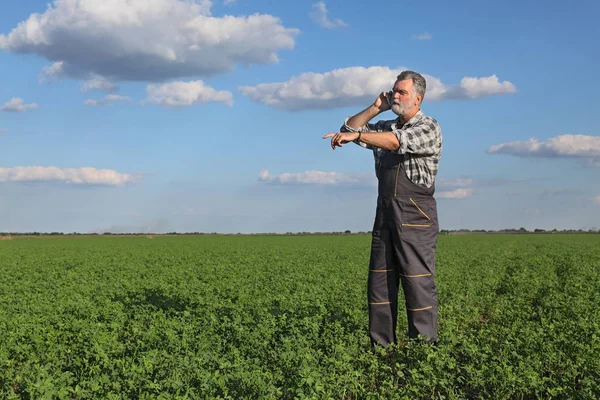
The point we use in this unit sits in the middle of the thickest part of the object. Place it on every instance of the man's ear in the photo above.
(419, 99)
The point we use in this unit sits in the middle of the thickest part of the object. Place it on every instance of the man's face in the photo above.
(404, 99)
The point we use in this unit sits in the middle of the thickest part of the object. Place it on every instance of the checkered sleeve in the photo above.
(423, 138)
(379, 126)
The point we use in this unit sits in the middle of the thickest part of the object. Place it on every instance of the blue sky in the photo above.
(170, 115)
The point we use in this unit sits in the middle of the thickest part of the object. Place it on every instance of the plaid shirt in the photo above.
(420, 141)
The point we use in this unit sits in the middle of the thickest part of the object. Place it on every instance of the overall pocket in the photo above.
(418, 218)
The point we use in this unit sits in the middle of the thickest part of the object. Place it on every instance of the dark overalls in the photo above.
(403, 248)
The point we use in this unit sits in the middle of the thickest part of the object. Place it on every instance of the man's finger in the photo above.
(338, 141)
(328, 135)
(334, 140)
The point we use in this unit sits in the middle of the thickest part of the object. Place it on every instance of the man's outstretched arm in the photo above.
(382, 140)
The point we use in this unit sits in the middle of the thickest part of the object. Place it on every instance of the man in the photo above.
(407, 151)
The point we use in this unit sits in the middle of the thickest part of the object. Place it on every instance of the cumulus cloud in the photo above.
(476, 88)
(422, 36)
(454, 188)
(559, 146)
(458, 188)
(51, 73)
(315, 178)
(228, 2)
(361, 179)
(503, 181)
(78, 176)
(95, 103)
(116, 97)
(355, 86)
(106, 101)
(319, 15)
(147, 40)
(455, 194)
(99, 84)
(185, 94)
(16, 105)
(464, 182)
(466, 187)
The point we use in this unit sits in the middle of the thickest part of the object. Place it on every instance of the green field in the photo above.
(249, 317)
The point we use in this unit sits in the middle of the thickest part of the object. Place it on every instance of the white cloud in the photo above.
(99, 84)
(86, 175)
(228, 2)
(455, 194)
(458, 188)
(116, 97)
(422, 36)
(185, 94)
(95, 103)
(597, 199)
(454, 182)
(106, 101)
(315, 178)
(462, 185)
(319, 15)
(559, 146)
(476, 88)
(503, 181)
(152, 40)
(355, 86)
(52, 73)
(16, 105)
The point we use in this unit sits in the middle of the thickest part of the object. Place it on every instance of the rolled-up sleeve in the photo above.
(423, 138)
(376, 127)
(346, 128)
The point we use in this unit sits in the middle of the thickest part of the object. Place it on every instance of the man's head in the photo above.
(408, 93)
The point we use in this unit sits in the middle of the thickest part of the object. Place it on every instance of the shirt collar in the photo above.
(414, 118)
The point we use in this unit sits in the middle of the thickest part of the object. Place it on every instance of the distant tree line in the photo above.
(518, 231)
(346, 232)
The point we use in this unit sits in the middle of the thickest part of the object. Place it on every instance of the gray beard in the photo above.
(400, 109)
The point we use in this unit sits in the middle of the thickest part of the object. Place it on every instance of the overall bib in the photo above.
(403, 247)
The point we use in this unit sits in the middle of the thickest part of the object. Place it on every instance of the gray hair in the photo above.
(419, 84)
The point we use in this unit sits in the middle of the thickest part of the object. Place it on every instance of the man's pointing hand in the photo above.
(340, 138)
